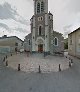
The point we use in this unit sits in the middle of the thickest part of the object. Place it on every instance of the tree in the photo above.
(66, 43)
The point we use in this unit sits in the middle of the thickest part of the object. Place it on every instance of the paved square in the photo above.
(31, 63)
(65, 81)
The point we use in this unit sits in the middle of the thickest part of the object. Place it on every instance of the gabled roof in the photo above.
(57, 32)
(74, 30)
(28, 35)
(11, 37)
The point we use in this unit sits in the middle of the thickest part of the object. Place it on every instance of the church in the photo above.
(43, 38)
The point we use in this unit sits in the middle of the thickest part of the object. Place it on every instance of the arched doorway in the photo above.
(40, 48)
(40, 45)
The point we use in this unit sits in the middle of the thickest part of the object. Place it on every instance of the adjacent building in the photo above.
(42, 37)
(74, 43)
(9, 44)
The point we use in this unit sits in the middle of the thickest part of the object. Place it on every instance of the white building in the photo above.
(9, 44)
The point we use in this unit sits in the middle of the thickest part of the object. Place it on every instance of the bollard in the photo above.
(6, 57)
(69, 58)
(69, 64)
(39, 69)
(19, 67)
(59, 67)
(66, 56)
(7, 63)
(11, 54)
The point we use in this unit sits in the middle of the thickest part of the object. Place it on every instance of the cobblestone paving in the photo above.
(31, 63)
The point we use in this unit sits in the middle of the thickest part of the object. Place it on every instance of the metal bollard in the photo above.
(69, 64)
(69, 58)
(6, 57)
(59, 67)
(7, 63)
(39, 69)
(11, 54)
(19, 67)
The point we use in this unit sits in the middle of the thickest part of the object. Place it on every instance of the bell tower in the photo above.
(40, 6)
(40, 26)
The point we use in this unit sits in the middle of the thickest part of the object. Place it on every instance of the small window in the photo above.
(21, 44)
(55, 41)
(71, 40)
(49, 17)
(33, 37)
(16, 44)
(41, 18)
(29, 42)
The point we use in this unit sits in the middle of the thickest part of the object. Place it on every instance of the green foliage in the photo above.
(66, 43)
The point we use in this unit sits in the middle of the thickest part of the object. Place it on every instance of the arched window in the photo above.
(38, 7)
(40, 29)
(42, 6)
(55, 41)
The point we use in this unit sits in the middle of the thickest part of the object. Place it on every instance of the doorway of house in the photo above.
(40, 48)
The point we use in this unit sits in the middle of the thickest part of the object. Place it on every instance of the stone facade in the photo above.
(42, 35)
(74, 43)
(60, 44)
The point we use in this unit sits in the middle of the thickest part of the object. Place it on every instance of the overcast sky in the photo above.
(15, 16)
